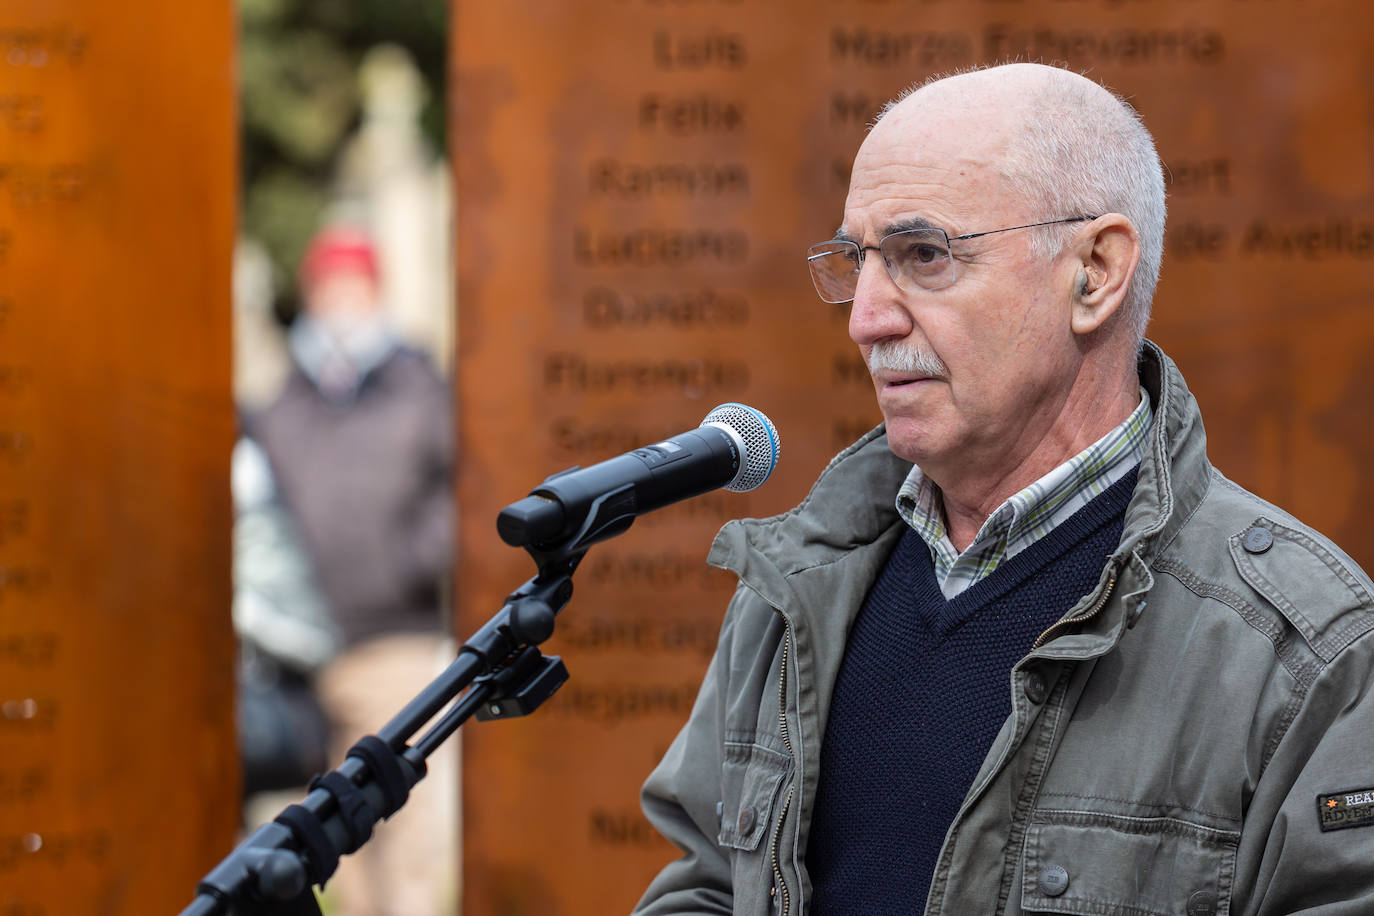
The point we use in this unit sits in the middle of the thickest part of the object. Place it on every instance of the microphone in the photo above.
(736, 447)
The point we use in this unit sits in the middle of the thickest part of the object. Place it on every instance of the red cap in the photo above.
(338, 248)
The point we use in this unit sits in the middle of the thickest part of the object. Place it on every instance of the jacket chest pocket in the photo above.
(751, 780)
(1096, 864)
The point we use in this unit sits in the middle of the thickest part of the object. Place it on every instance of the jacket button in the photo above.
(1036, 687)
(1054, 880)
(1257, 539)
(748, 816)
(1202, 903)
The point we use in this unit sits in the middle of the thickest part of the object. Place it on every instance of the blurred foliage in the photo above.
(298, 87)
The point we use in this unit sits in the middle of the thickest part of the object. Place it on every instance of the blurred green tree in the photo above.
(298, 90)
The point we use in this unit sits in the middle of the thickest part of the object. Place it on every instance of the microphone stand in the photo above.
(272, 872)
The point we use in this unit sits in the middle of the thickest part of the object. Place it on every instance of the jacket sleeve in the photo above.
(1308, 838)
(680, 797)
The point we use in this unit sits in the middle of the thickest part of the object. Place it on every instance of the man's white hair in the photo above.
(1082, 150)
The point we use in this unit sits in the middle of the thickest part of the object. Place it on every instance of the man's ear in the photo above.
(1106, 253)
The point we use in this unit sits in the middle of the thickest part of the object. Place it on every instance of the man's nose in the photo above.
(879, 310)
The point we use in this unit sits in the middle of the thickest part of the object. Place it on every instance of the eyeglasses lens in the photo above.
(915, 259)
(918, 259)
(834, 270)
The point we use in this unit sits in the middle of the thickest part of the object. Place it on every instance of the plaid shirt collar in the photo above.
(1028, 515)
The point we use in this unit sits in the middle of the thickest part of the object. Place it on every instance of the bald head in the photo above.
(1060, 142)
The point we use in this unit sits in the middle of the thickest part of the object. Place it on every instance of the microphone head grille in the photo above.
(758, 440)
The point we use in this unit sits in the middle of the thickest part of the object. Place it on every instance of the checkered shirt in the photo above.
(1028, 515)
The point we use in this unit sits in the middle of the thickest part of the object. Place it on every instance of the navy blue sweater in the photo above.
(921, 693)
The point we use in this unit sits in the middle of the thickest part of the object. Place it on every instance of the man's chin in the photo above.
(910, 440)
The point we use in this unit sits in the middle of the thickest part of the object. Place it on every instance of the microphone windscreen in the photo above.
(757, 439)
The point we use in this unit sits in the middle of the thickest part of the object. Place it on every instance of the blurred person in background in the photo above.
(285, 637)
(359, 444)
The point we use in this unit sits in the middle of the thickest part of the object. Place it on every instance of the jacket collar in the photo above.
(1175, 473)
(853, 503)
(339, 364)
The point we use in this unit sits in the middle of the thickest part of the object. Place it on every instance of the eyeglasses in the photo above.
(916, 259)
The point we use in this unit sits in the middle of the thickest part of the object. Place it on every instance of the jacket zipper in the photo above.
(1087, 615)
(787, 802)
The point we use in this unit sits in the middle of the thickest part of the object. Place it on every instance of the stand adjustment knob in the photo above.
(532, 621)
(280, 875)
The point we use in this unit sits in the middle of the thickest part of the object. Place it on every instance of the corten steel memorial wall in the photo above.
(637, 182)
(118, 764)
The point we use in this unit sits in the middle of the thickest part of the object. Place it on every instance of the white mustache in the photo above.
(895, 357)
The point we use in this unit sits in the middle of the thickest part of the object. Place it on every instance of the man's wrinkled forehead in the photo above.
(924, 169)
(977, 119)
(913, 184)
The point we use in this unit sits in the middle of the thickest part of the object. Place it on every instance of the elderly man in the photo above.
(1022, 649)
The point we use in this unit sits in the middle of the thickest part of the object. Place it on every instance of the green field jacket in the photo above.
(1195, 736)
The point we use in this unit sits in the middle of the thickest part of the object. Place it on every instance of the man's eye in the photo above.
(921, 254)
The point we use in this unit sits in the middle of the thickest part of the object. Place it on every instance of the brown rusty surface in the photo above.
(637, 181)
(118, 769)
